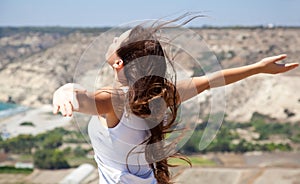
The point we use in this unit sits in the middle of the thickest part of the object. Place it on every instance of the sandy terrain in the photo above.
(45, 177)
(240, 176)
(42, 118)
(189, 176)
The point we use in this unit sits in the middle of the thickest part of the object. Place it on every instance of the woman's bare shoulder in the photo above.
(109, 100)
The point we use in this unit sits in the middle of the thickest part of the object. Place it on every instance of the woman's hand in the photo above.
(64, 99)
(269, 65)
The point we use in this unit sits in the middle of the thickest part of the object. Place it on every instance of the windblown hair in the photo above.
(151, 96)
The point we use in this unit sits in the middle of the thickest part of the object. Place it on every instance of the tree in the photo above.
(50, 159)
(19, 144)
(79, 152)
(53, 141)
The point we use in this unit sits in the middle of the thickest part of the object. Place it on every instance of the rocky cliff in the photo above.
(34, 64)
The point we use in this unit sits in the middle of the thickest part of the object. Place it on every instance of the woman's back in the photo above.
(118, 152)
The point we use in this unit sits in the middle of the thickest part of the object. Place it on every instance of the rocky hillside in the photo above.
(35, 63)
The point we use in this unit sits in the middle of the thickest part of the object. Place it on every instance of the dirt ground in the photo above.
(189, 176)
(240, 176)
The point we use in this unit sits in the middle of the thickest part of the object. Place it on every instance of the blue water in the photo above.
(8, 109)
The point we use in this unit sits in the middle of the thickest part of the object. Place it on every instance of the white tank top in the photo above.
(112, 145)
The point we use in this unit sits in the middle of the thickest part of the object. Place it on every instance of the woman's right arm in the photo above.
(73, 97)
(192, 87)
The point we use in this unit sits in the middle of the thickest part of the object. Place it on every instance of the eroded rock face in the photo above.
(33, 65)
(23, 44)
(32, 80)
(274, 96)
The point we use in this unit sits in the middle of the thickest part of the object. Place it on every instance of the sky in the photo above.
(99, 13)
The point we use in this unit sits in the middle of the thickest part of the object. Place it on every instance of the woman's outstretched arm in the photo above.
(73, 97)
(228, 76)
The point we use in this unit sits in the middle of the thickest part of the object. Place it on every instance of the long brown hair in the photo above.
(151, 95)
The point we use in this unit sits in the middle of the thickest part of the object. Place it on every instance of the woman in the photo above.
(142, 107)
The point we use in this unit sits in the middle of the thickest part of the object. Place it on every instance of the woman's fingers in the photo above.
(65, 98)
(69, 108)
(290, 66)
(274, 59)
(279, 57)
(284, 67)
(55, 109)
(269, 64)
(63, 109)
(71, 98)
(61, 103)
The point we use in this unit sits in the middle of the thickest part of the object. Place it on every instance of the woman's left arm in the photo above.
(228, 76)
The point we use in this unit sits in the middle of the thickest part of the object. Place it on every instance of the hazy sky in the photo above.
(95, 13)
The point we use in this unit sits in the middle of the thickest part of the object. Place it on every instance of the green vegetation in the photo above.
(79, 152)
(13, 170)
(50, 159)
(47, 155)
(228, 140)
(20, 144)
(46, 152)
(44, 148)
(27, 123)
(195, 160)
(296, 138)
(267, 129)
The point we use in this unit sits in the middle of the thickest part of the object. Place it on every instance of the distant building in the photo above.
(270, 26)
(78, 175)
(21, 165)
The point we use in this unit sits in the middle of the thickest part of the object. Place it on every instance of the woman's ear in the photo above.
(118, 64)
